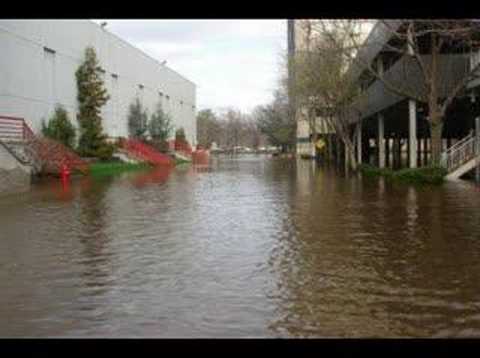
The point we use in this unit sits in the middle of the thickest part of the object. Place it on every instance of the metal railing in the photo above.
(12, 129)
(41, 153)
(182, 148)
(460, 153)
(145, 152)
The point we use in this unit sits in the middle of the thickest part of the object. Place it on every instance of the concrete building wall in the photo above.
(37, 70)
(14, 177)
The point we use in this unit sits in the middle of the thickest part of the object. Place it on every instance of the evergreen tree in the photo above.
(160, 125)
(60, 128)
(180, 136)
(91, 96)
(137, 120)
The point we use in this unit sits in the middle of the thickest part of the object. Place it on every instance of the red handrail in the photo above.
(145, 152)
(181, 147)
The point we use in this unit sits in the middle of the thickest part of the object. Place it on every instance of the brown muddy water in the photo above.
(246, 247)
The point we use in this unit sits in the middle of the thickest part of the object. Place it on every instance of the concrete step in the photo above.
(125, 157)
(182, 157)
(463, 169)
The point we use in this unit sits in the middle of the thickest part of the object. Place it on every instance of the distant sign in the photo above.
(320, 144)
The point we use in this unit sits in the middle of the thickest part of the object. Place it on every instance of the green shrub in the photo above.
(426, 175)
(137, 120)
(160, 126)
(60, 128)
(160, 145)
(104, 152)
(180, 136)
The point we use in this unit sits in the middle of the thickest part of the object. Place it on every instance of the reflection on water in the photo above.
(240, 247)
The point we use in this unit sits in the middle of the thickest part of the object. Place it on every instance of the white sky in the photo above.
(234, 63)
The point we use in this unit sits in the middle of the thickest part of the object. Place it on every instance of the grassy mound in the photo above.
(108, 168)
(426, 175)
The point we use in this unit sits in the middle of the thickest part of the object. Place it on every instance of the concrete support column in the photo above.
(346, 158)
(359, 143)
(425, 151)
(396, 153)
(419, 153)
(477, 147)
(412, 133)
(387, 152)
(338, 151)
(381, 142)
(330, 148)
(412, 117)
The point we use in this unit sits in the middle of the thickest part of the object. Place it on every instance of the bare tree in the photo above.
(208, 127)
(275, 122)
(322, 85)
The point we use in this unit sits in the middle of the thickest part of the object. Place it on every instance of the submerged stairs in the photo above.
(462, 157)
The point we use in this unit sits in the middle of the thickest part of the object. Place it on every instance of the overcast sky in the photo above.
(233, 62)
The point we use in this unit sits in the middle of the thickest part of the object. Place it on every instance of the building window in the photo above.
(161, 94)
(114, 75)
(168, 97)
(49, 50)
(141, 86)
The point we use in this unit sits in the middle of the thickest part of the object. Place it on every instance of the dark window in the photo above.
(49, 50)
(141, 86)
(114, 75)
(161, 94)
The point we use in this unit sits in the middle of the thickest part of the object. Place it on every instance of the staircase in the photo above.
(181, 150)
(144, 152)
(462, 157)
(40, 154)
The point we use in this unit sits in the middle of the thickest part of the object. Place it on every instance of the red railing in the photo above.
(53, 155)
(48, 154)
(181, 147)
(145, 152)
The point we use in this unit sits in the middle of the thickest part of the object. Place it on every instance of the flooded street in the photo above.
(245, 247)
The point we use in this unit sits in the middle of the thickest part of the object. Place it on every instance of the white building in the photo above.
(300, 38)
(38, 60)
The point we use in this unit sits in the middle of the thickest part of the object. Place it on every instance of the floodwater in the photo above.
(245, 247)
